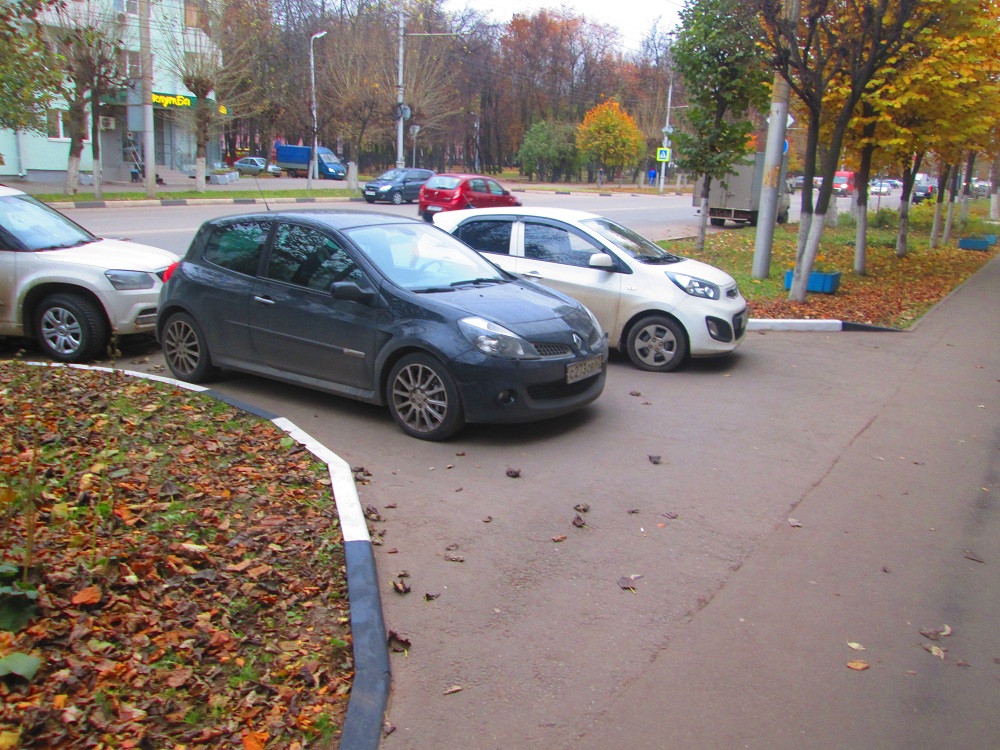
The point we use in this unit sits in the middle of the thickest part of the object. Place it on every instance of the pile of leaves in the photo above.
(171, 571)
(894, 292)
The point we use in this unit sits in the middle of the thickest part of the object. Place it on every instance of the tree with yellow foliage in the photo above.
(609, 136)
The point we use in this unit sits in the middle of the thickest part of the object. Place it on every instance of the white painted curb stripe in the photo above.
(775, 324)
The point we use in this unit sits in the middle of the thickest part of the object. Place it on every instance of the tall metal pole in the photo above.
(312, 78)
(146, 63)
(400, 156)
(666, 128)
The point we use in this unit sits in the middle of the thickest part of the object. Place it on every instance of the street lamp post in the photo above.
(312, 78)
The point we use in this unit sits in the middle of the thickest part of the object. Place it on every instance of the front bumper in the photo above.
(503, 391)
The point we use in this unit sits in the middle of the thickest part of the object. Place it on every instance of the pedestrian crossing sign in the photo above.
(663, 154)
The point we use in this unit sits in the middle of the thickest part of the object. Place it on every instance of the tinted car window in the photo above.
(307, 257)
(495, 187)
(487, 236)
(477, 186)
(557, 245)
(237, 246)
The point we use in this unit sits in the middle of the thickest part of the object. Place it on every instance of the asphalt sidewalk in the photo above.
(901, 534)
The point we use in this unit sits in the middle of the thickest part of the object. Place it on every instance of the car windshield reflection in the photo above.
(38, 227)
(423, 258)
(630, 242)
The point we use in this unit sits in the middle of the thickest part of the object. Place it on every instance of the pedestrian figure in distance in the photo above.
(652, 176)
(600, 177)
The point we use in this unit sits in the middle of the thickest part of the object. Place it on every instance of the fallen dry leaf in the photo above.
(581, 508)
(794, 523)
(856, 646)
(655, 459)
(513, 473)
(89, 595)
(858, 665)
(559, 538)
(579, 522)
(935, 650)
(453, 689)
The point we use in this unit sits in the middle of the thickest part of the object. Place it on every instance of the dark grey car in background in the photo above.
(383, 309)
(396, 185)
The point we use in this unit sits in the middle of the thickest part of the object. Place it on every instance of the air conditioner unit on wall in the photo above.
(107, 123)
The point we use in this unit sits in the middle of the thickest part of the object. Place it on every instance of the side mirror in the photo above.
(601, 260)
(351, 292)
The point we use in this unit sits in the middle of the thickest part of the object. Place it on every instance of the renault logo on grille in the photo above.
(578, 341)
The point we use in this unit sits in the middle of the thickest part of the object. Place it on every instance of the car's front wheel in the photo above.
(397, 198)
(423, 398)
(185, 349)
(70, 328)
(657, 344)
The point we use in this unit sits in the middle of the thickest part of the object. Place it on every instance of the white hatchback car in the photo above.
(68, 289)
(656, 307)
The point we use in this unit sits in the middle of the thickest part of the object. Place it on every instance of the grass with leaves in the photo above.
(171, 571)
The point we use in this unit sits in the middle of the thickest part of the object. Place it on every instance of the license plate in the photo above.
(369, 192)
(582, 370)
(432, 209)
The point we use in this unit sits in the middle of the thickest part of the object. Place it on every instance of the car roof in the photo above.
(558, 214)
(331, 217)
(464, 175)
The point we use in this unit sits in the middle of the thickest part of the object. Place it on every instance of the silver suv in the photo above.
(68, 289)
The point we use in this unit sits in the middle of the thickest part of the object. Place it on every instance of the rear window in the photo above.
(442, 182)
(237, 245)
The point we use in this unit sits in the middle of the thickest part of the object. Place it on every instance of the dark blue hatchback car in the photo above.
(383, 309)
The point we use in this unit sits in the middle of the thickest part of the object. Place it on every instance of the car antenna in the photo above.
(261, 191)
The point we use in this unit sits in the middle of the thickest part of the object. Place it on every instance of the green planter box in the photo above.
(826, 282)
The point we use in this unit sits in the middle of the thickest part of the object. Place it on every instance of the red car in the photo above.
(450, 192)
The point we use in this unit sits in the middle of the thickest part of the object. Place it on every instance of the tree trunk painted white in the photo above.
(964, 209)
(702, 224)
(199, 174)
(861, 243)
(904, 229)
(936, 226)
(98, 179)
(832, 218)
(72, 175)
(995, 206)
(804, 264)
(949, 223)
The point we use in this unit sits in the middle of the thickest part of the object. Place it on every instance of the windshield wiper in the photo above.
(78, 243)
(492, 280)
(660, 259)
(432, 289)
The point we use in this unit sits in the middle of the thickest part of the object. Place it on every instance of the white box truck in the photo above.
(736, 197)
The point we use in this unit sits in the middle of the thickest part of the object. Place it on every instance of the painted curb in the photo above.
(366, 707)
(805, 324)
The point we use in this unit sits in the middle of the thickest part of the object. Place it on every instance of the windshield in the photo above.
(38, 227)
(390, 175)
(423, 258)
(630, 242)
(329, 159)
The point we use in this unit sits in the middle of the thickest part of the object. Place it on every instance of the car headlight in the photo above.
(495, 340)
(695, 287)
(125, 281)
(597, 333)
(384, 188)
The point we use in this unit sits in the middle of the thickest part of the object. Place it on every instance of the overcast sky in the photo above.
(632, 18)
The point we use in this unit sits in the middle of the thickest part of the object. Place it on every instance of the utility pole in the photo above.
(667, 130)
(146, 63)
(773, 157)
(400, 107)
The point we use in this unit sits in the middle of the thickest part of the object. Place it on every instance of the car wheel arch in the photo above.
(386, 360)
(37, 294)
(636, 317)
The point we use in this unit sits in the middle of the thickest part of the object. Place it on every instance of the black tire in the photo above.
(186, 351)
(292, 172)
(657, 344)
(369, 199)
(783, 217)
(70, 328)
(753, 219)
(716, 222)
(396, 198)
(428, 217)
(423, 398)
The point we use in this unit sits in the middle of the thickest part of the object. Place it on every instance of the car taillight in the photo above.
(169, 272)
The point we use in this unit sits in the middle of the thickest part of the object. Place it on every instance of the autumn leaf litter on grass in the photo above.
(188, 566)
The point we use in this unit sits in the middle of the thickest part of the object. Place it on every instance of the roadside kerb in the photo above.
(370, 691)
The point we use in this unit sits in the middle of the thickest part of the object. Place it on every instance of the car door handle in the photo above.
(263, 300)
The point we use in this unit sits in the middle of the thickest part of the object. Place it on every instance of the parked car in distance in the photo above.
(274, 170)
(658, 308)
(68, 289)
(980, 188)
(843, 183)
(382, 309)
(450, 192)
(923, 189)
(396, 185)
(880, 187)
(250, 165)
